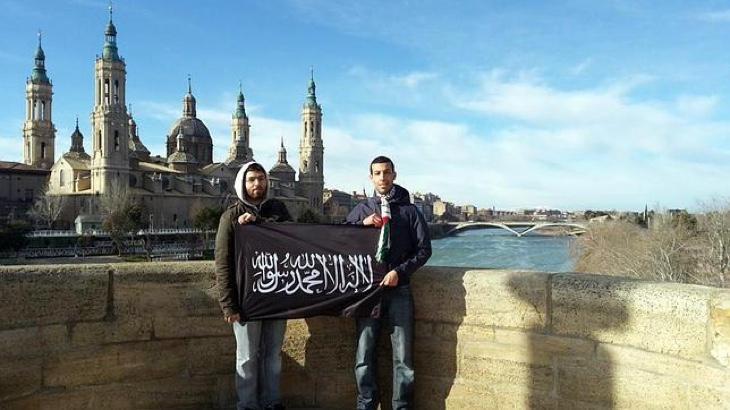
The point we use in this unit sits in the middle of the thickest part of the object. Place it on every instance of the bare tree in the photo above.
(47, 208)
(664, 252)
(714, 254)
(122, 213)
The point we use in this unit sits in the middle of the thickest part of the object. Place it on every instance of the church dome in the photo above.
(193, 129)
(281, 169)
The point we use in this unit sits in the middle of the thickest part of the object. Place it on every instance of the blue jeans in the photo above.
(397, 310)
(258, 362)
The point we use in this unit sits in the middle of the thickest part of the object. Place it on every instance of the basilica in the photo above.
(171, 187)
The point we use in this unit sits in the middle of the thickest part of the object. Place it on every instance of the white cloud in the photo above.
(718, 16)
(581, 67)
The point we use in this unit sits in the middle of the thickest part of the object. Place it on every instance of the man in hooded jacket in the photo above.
(258, 343)
(408, 248)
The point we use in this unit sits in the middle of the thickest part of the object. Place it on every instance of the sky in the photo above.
(508, 104)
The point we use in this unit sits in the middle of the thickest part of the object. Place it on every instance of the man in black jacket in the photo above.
(258, 343)
(405, 246)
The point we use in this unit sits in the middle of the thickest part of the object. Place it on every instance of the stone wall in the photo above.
(149, 336)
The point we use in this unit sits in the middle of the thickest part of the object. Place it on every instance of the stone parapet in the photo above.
(147, 336)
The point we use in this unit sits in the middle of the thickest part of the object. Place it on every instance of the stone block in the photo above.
(506, 299)
(211, 355)
(298, 387)
(170, 327)
(329, 347)
(660, 317)
(116, 363)
(542, 348)
(439, 294)
(295, 339)
(336, 393)
(505, 364)
(19, 378)
(720, 327)
(32, 341)
(620, 377)
(121, 329)
(226, 389)
(165, 272)
(174, 393)
(687, 372)
(164, 299)
(434, 357)
(42, 295)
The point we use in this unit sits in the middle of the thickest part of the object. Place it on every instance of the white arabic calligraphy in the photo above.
(311, 273)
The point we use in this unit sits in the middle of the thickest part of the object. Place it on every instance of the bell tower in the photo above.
(109, 120)
(39, 134)
(311, 150)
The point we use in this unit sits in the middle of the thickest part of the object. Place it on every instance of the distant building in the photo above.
(337, 205)
(444, 211)
(172, 187)
(20, 185)
(423, 205)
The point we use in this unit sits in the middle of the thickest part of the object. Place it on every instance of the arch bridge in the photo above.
(571, 228)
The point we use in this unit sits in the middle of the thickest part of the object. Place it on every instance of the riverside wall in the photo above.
(149, 336)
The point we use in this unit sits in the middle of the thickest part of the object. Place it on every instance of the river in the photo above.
(499, 249)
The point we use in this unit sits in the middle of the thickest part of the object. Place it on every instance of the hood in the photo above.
(238, 184)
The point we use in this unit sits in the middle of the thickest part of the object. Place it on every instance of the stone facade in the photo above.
(172, 187)
(151, 336)
(20, 184)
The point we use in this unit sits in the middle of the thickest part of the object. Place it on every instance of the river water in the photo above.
(500, 249)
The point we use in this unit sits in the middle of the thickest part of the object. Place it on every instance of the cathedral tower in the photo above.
(109, 120)
(311, 150)
(39, 134)
(240, 150)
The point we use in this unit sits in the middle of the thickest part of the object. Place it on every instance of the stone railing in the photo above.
(147, 336)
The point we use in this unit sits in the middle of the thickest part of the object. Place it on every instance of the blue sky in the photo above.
(568, 104)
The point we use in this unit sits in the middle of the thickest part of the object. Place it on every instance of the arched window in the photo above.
(43, 110)
(106, 91)
(116, 140)
(98, 141)
(43, 150)
(116, 91)
(60, 177)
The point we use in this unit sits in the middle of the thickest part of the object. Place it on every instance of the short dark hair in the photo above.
(380, 159)
(254, 167)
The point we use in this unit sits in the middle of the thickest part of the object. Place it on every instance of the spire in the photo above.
(189, 101)
(38, 75)
(241, 104)
(282, 152)
(311, 90)
(77, 140)
(110, 51)
(132, 123)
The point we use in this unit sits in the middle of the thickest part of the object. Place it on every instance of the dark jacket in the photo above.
(270, 210)
(410, 241)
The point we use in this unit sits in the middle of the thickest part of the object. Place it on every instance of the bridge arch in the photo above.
(576, 228)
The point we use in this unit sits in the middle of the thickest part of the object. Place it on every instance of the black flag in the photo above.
(303, 270)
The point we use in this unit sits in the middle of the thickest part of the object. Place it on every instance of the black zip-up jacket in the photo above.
(410, 241)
